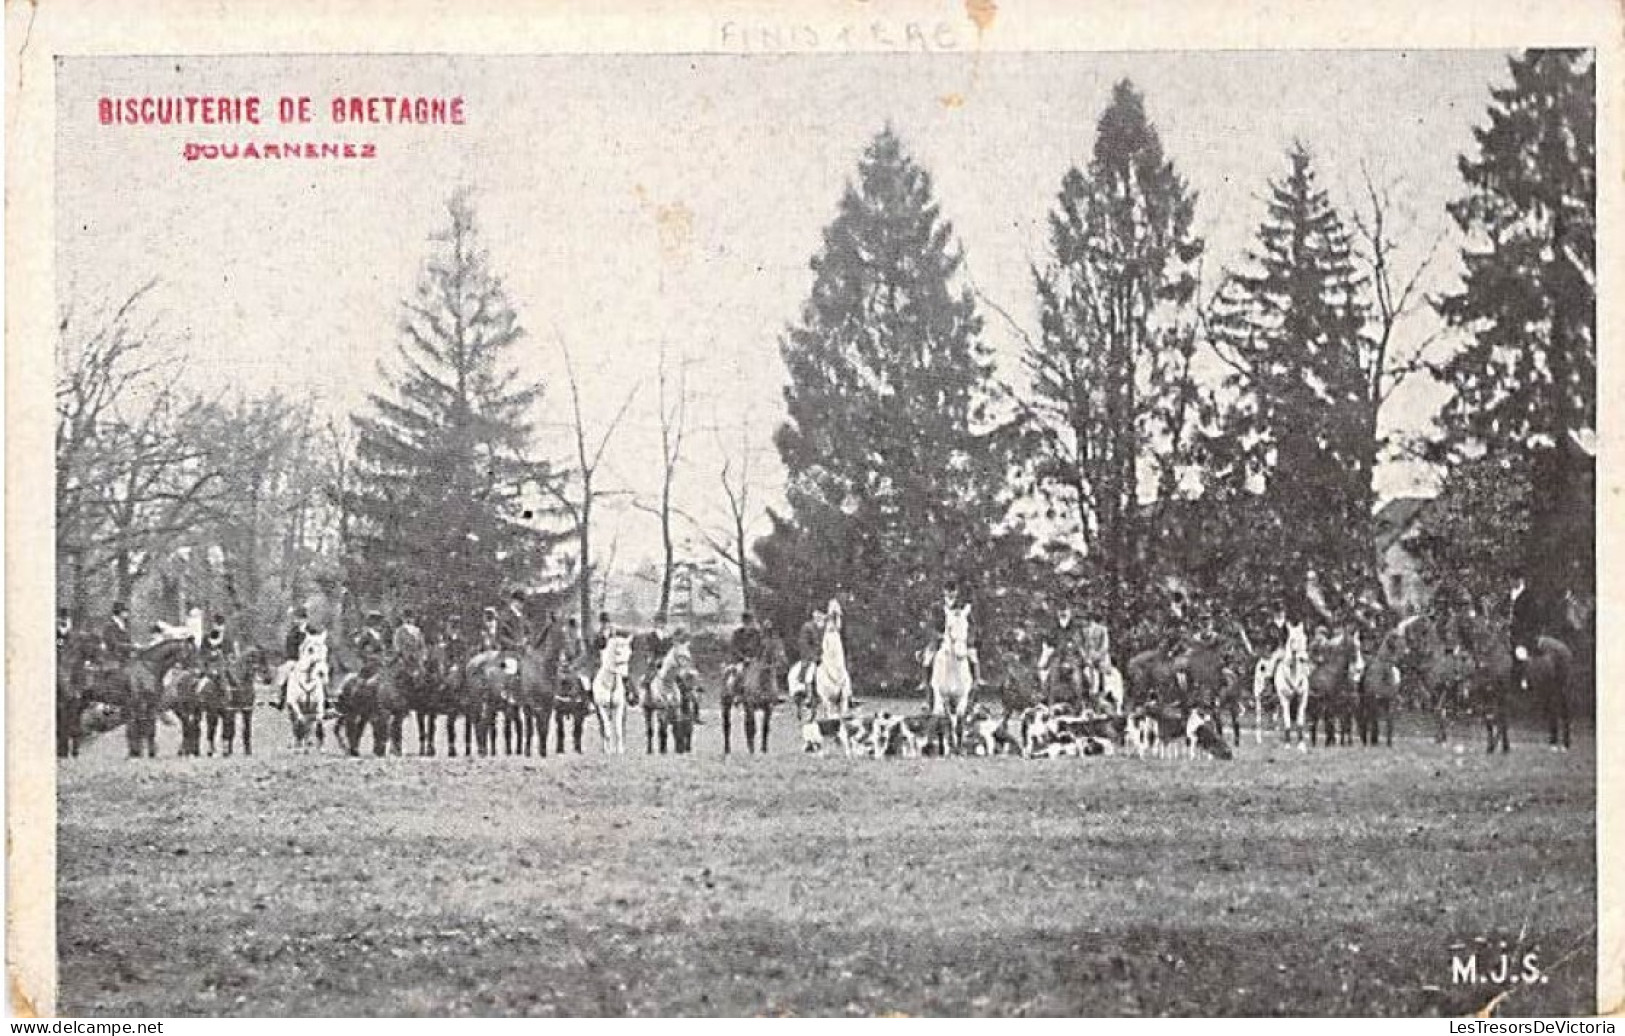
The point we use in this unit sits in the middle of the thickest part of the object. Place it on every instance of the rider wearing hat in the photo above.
(747, 640)
(370, 643)
(513, 628)
(1525, 629)
(407, 644)
(296, 634)
(116, 643)
(490, 629)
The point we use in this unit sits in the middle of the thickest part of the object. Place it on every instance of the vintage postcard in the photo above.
(942, 508)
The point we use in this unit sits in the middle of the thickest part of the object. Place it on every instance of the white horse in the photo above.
(824, 686)
(609, 693)
(306, 692)
(1292, 682)
(953, 673)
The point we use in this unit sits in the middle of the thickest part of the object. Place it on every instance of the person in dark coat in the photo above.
(1526, 627)
(514, 628)
(371, 645)
(116, 643)
(296, 635)
(747, 640)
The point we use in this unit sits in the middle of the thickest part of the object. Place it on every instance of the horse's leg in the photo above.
(750, 728)
(767, 723)
(727, 725)
(649, 729)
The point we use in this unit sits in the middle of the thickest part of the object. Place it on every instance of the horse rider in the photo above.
(370, 644)
(449, 652)
(1525, 629)
(490, 630)
(746, 641)
(117, 646)
(810, 642)
(407, 644)
(216, 651)
(514, 627)
(1060, 658)
(64, 629)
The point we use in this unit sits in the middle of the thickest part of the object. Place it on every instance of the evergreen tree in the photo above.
(438, 492)
(1111, 369)
(896, 477)
(1292, 330)
(1526, 379)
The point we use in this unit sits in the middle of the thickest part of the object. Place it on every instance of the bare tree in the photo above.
(134, 464)
(673, 406)
(1388, 363)
(589, 455)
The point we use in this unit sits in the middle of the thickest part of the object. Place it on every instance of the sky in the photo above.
(639, 202)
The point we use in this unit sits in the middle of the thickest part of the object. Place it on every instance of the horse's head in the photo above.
(314, 646)
(1297, 643)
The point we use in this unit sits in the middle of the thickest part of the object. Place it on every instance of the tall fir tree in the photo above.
(443, 518)
(1111, 368)
(1526, 380)
(1292, 328)
(897, 481)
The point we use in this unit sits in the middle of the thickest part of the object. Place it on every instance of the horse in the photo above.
(572, 703)
(753, 685)
(674, 693)
(1290, 674)
(1546, 676)
(229, 694)
(305, 697)
(533, 694)
(74, 670)
(953, 675)
(445, 690)
(1332, 687)
(1379, 685)
(136, 687)
(609, 693)
(493, 691)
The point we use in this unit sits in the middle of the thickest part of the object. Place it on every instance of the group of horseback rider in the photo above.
(112, 646)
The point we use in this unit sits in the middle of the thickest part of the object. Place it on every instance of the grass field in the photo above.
(1334, 882)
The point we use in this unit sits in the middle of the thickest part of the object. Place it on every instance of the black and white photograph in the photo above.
(839, 519)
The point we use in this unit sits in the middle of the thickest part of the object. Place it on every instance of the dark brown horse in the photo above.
(231, 698)
(75, 669)
(754, 687)
(136, 688)
(1331, 688)
(1493, 688)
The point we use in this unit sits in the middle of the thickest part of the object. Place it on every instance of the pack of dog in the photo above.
(1167, 731)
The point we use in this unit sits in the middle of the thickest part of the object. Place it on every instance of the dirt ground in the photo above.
(1335, 882)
